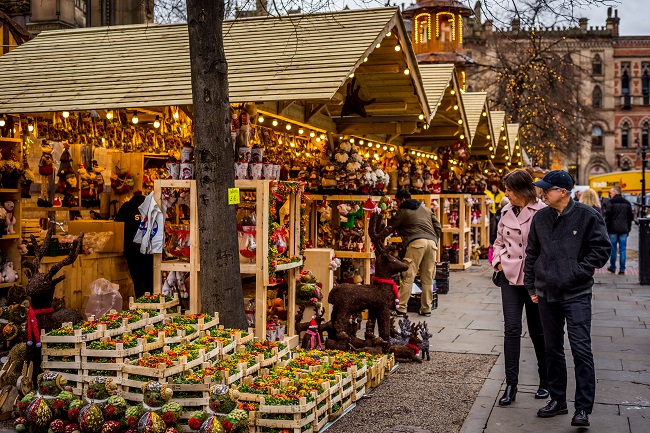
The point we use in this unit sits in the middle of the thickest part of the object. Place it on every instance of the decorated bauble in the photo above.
(115, 407)
(39, 413)
(222, 399)
(111, 427)
(57, 426)
(212, 425)
(20, 424)
(72, 428)
(171, 430)
(132, 416)
(131, 430)
(151, 422)
(91, 419)
(171, 412)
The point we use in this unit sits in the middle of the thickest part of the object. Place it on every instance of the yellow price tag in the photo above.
(233, 195)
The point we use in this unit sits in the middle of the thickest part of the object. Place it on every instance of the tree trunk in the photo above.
(221, 288)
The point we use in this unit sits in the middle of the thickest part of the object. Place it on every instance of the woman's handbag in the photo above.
(496, 278)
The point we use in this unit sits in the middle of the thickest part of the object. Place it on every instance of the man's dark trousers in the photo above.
(577, 313)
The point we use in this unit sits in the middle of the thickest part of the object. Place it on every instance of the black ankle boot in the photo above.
(542, 391)
(509, 396)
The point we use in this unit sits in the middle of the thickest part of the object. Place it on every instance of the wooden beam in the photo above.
(374, 119)
(379, 128)
(387, 107)
(312, 110)
(284, 105)
(375, 69)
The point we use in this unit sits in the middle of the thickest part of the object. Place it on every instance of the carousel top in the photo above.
(448, 5)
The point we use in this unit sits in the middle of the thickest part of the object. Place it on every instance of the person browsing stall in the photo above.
(509, 253)
(567, 242)
(420, 232)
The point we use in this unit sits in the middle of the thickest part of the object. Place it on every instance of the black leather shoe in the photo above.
(509, 396)
(580, 419)
(553, 408)
(542, 391)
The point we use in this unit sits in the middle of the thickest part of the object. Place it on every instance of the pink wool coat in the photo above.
(512, 239)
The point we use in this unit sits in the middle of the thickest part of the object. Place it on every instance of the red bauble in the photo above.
(194, 423)
(73, 413)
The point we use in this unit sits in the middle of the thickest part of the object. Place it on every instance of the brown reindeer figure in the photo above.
(41, 285)
(411, 351)
(378, 297)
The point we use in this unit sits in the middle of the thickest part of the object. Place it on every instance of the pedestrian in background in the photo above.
(619, 217)
(590, 198)
(509, 254)
(495, 195)
(420, 232)
(567, 242)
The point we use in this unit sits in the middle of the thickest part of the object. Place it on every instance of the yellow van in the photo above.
(629, 181)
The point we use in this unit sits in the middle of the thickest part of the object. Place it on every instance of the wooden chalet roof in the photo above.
(297, 57)
(513, 140)
(436, 79)
(475, 104)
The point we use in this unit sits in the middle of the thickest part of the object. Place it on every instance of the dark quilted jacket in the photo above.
(618, 215)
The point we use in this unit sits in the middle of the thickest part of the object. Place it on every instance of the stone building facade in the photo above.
(616, 84)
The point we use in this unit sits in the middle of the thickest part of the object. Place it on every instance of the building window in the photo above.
(644, 134)
(597, 65)
(422, 27)
(625, 135)
(597, 98)
(645, 88)
(596, 136)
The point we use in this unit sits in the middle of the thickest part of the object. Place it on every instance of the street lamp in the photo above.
(644, 150)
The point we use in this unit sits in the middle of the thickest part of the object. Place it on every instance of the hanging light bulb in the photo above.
(413, 152)
(452, 91)
(176, 115)
(260, 119)
(388, 34)
(30, 127)
(491, 148)
(378, 45)
(351, 139)
(109, 115)
(385, 147)
(391, 148)
(455, 107)
(378, 146)
(435, 157)
(301, 131)
(406, 71)
(65, 114)
(361, 141)
(322, 136)
(135, 119)
(376, 156)
(292, 144)
(462, 136)
(312, 134)
(367, 155)
(288, 126)
(421, 117)
(351, 75)
(3, 122)
(365, 59)
(318, 140)
(484, 114)
(397, 48)
(275, 122)
(460, 121)
(418, 154)
(369, 144)
(492, 156)
(487, 136)
(156, 123)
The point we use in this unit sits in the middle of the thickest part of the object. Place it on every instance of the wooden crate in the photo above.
(162, 305)
(303, 414)
(77, 337)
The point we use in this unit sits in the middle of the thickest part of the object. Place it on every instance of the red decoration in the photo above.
(74, 413)
(194, 423)
(168, 417)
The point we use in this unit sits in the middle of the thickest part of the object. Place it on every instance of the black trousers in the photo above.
(577, 314)
(514, 298)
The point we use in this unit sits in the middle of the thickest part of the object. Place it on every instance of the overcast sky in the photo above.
(633, 13)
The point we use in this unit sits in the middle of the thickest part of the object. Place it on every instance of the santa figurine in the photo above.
(46, 170)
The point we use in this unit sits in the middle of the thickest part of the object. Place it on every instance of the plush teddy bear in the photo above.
(330, 177)
(9, 275)
(10, 220)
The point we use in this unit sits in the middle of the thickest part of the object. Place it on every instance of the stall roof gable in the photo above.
(295, 57)
(436, 78)
(513, 132)
(474, 104)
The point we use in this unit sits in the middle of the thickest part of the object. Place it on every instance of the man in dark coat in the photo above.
(140, 265)
(567, 242)
(420, 232)
(619, 217)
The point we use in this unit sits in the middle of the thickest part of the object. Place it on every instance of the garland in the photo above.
(280, 191)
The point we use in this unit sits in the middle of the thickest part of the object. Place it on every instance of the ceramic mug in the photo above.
(173, 170)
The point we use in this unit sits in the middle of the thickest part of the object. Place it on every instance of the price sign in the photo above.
(233, 195)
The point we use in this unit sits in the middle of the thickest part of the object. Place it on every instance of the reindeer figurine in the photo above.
(424, 346)
(379, 297)
(411, 351)
(40, 289)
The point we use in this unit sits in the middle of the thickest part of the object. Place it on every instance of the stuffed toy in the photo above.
(10, 219)
(46, 170)
(404, 180)
(9, 275)
(329, 177)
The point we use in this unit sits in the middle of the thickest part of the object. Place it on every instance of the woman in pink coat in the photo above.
(509, 255)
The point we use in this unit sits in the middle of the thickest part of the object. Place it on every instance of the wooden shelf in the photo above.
(460, 266)
(354, 255)
(7, 285)
(247, 268)
(456, 230)
(14, 236)
(11, 140)
(10, 190)
(57, 208)
(287, 266)
(343, 197)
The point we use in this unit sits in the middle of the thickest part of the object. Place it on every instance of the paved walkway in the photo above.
(469, 319)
